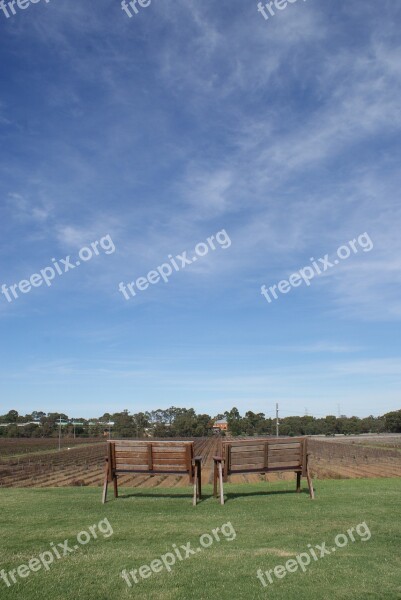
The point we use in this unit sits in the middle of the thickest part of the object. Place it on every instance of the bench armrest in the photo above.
(218, 459)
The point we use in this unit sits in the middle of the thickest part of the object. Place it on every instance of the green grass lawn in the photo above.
(272, 525)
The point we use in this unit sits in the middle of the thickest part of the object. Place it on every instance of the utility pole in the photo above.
(277, 420)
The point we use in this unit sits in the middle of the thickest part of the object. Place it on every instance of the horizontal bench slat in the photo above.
(143, 467)
(286, 452)
(169, 449)
(169, 461)
(260, 460)
(293, 468)
(153, 471)
(132, 461)
(285, 446)
(157, 454)
(248, 455)
(125, 454)
(261, 469)
(248, 448)
(287, 464)
(131, 444)
(244, 443)
(246, 466)
(125, 448)
(281, 441)
(236, 467)
(150, 441)
(182, 468)
(284, 456)
(278, 463)
(172, 468)
(171, 443)
(131, 467)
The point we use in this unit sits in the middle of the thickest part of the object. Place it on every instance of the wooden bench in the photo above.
(152, 458)
(262, 455)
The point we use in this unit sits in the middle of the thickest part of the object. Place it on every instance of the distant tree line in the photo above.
(257, 424)
(185, 422)
(172, 422)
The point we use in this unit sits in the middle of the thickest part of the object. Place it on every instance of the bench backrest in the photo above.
(150, 456)
(272, 454)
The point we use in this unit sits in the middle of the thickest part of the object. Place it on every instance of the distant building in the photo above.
(220, 425)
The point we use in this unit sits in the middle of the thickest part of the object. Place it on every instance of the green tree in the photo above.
(392, 421)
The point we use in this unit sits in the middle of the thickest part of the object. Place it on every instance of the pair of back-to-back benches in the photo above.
(257, 455)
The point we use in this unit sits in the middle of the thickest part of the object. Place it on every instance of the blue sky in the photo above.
(163, 129)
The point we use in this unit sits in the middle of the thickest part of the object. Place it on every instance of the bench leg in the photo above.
(115, 486)
(310, 484)
(215, 475)
(200, 481)
(298, 482)
(105, 485)
(196, 485)
(221, 483)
